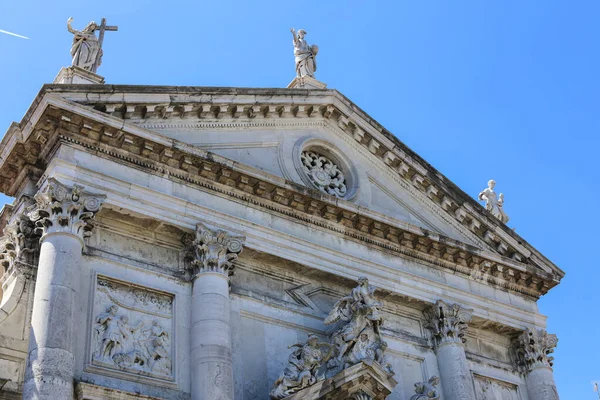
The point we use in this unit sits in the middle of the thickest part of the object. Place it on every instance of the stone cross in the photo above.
(103, 27)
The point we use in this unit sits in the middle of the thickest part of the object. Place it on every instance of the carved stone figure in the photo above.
(305, 55)
(427, 390)
(86, 51)
(357, 338)
(493, 203)
(302, 368)
(110, 334)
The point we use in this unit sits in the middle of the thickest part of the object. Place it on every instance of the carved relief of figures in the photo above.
(357, 338)
(302, 368)
(132, 329)
(427, 390)
(492, 389)
(493, 202)
(305, 55)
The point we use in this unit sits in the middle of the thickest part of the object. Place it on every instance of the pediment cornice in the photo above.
(23, 149)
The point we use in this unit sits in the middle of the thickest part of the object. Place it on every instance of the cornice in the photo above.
(23, 149)
(184, 163)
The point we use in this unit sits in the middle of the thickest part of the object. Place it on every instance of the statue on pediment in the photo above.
(357, 338)
(302, 368)
(305, 55)
(86, 48)
(494, 203)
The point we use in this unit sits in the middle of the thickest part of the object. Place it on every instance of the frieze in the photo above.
(132, 329)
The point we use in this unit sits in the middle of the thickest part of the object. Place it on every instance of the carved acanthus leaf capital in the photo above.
(19, 246)
(533, 349)
(62, 209)
(447, 322)
(214, 250)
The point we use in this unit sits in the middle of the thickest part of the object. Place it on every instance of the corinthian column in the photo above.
(61, 216)
(212, 367)
(448, 324)
(533, 348)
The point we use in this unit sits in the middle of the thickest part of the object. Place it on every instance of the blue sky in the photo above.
(480, 89)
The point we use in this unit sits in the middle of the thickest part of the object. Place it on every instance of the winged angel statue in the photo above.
(357, 338)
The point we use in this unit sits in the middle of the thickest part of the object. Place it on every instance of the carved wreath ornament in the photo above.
(324, 173)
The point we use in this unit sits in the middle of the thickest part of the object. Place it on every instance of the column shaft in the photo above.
(50, 364)
(212, 367)
(457, 382)
(540, 384)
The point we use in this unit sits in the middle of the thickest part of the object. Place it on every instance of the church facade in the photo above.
(173, 242)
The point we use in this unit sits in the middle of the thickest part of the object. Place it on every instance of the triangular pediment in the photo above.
(264, 130)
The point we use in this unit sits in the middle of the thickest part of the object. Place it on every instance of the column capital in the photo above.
(447, 322)
(19, 247)
(63, 209)
(213, 250)
(533, 348)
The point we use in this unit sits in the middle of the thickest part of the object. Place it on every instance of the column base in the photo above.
(361, 381)
(306, 83)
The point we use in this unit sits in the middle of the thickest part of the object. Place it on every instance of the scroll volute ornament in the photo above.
(61, 209)
(215, 250)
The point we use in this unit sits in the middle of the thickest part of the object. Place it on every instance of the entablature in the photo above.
(25, 151)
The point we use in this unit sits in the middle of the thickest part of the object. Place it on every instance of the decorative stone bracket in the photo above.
(360, 382)
(447, 322)
(61, 209)
(533, 349)
(213, 250)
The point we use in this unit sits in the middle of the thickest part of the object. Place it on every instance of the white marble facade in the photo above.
(226, 226)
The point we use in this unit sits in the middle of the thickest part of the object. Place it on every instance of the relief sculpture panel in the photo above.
(492, 389)
(132, 329)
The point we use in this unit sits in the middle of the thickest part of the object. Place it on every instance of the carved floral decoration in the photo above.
(324, 174)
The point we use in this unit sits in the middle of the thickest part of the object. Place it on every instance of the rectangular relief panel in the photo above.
(131, 335)
(487, 388)
(409, 369)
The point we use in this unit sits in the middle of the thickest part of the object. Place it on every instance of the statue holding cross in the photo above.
(87, 48)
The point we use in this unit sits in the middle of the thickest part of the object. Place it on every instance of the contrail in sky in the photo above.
(13, 34)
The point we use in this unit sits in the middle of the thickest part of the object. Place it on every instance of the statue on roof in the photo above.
(86, 51)
(494, 203)
(305, 55)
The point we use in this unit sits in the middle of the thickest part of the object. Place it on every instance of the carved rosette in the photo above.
(214, 251)
(61, 209)
(447, 322)
(533, 349)
(19, 247)
(324, 174)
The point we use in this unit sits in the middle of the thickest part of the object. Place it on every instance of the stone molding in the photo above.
(533, 348)
(183, 162)
(213, 250)
(447, 323)
(340, 112)
(88, 391)
(62, 209)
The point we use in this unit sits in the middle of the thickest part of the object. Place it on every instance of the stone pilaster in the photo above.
(61, 215)
(212, 366)
(533, 349)
(448, 324)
